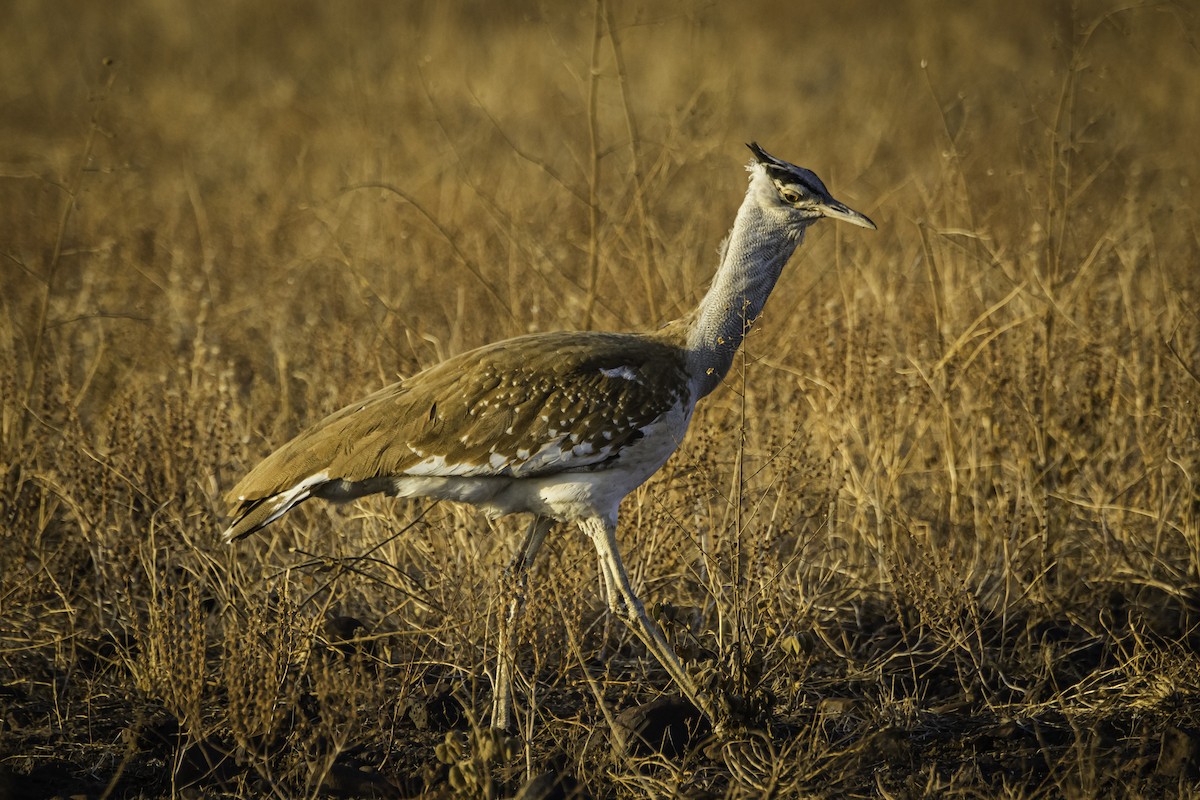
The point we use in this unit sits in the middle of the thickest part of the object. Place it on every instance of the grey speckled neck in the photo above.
(760, 243)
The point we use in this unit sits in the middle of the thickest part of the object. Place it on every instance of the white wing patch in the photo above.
(623, 372)
(562, 453)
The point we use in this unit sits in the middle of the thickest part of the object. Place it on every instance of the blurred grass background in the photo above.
(939, 534)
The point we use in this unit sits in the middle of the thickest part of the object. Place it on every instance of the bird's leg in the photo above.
(612, 599)
(603, 533)
(611, 596)
(515, 576)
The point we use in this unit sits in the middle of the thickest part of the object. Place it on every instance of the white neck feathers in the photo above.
(762, 239)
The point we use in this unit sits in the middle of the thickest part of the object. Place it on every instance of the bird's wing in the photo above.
(528, 409)
(528, 406)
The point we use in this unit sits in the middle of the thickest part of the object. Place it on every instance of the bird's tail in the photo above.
(254, 515)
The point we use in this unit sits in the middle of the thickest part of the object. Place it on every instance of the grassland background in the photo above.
(937, 537)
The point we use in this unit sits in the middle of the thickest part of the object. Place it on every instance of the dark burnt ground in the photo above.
(1032, 708)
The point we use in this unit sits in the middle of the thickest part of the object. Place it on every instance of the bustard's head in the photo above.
(800, 192)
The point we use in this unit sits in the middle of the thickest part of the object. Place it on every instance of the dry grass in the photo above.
(937, 537)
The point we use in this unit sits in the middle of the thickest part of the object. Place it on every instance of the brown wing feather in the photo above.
(489, 410)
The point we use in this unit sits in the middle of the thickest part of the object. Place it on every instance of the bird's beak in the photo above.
(832, 209)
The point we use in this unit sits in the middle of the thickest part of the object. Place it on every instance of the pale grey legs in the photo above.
(621, 601)
(603, 533)
(516, 576)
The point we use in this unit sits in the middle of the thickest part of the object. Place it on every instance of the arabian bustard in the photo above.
(561, 425)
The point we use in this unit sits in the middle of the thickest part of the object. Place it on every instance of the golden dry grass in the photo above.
(937, 537)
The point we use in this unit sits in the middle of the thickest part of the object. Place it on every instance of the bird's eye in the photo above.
(790, 195)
